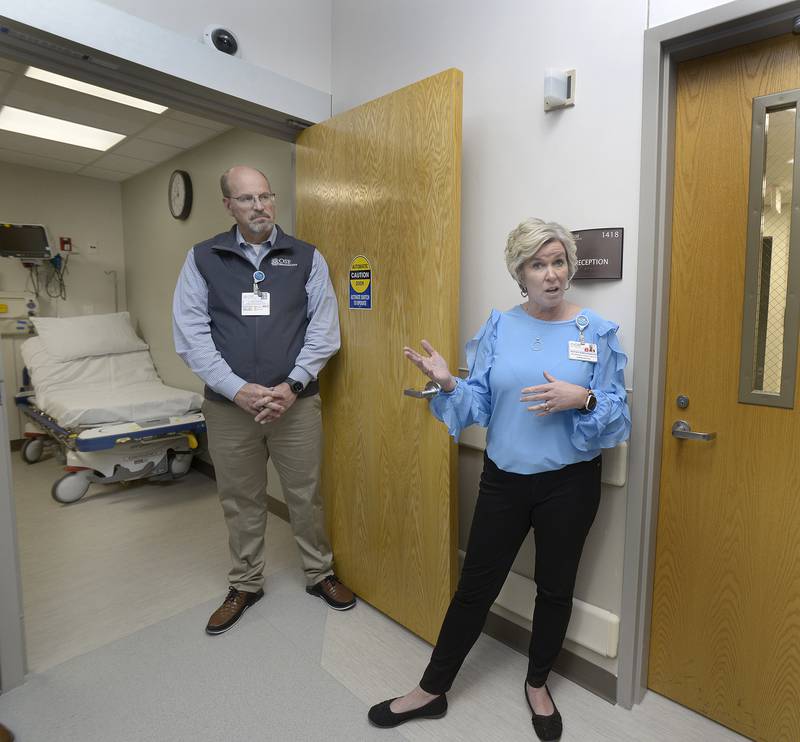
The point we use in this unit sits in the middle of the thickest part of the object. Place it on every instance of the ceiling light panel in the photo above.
(47, 127)
(85, 87)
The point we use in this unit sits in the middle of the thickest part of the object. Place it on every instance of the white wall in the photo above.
(578, 166)
(664, 11)
(290, 37)
(85, 209)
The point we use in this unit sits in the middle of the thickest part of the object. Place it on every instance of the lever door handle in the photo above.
(431, 390)
(682, 429)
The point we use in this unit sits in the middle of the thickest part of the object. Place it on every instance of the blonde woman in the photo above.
(546, 379)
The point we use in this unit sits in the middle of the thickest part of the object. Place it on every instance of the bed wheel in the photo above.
(179, 464)
(32, 450)
(71, 487)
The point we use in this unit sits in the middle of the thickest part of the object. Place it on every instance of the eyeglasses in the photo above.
(250, 199)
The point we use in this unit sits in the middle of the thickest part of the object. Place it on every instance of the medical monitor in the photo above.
(25, 241)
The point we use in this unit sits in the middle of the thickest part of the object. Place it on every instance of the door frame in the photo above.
(665, 46)
(132, 62)
(12, 633)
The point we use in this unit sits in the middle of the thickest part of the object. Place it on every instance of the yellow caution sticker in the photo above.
(360, 283)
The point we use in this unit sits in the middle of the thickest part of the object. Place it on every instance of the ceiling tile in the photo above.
(122, 164)
(178, 133)
(47, 148)
(152, 138)
(196, 120)
(45, 163)
(103, 174)
(52, 100)
(142, 149)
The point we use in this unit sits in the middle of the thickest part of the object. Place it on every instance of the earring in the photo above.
(524, 292)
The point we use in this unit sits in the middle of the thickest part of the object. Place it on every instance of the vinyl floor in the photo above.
(117, 589)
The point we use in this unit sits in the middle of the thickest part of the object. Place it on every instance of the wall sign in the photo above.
(360, 283)
(599, 253)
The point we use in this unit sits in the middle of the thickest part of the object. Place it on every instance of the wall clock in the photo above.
(180, 194)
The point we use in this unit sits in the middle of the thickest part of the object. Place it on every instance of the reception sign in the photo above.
(599, 253)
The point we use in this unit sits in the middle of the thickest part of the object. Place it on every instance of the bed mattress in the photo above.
(121, 387)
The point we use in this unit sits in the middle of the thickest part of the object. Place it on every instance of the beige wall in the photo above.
(87, 210)
(156, 244)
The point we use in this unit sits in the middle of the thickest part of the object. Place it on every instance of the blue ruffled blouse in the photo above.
(512, 351)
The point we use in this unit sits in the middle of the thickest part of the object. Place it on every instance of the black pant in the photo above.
(560, 506)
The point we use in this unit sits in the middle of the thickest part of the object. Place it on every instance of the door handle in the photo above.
(431, 390)
(682, 429)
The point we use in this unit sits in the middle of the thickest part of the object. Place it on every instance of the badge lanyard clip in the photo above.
(258, 277)
(581, 322)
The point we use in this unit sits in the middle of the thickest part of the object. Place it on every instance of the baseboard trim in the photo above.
(204, 467)
(577, 669)
(274, 505)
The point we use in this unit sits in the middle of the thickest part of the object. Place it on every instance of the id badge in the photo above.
(582, 351)
(254, 305)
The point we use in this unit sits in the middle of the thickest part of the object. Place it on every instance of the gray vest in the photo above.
(261, 349)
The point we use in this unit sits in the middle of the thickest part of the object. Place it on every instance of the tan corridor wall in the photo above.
(156, 244)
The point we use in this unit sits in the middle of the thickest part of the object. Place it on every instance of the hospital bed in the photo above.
(97, 397)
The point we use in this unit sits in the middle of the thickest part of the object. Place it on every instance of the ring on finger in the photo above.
(546, 406)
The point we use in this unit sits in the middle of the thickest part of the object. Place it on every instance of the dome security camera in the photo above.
(221, 39)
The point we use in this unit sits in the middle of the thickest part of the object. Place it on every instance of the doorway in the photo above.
(93, 542)
(666, 47)
(727, 569)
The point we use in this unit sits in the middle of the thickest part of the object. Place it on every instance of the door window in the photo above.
(770, 322)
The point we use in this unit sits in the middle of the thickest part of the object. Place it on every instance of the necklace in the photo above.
(537, 340)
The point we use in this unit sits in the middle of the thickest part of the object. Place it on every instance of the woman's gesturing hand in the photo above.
(433, 366)
(554, 396)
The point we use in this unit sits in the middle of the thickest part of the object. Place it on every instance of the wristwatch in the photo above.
(591, 401)
(295, 386)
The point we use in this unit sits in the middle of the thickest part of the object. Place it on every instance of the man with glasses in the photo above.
(255, 317)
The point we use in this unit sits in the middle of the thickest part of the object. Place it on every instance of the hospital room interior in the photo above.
(114, 536)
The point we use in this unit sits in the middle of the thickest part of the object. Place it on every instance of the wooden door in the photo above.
(725, 636)
(383, 181)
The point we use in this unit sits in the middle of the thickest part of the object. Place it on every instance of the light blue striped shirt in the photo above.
(191, 323)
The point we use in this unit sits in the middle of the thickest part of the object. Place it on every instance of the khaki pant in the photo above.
(239, 448)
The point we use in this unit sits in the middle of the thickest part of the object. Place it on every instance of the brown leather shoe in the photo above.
(231, 610)
(5, 734)
(337, 595)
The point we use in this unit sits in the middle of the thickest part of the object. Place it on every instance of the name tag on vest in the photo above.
(255, 304)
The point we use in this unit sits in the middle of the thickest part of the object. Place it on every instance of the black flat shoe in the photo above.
(549, 727)
(382, 716)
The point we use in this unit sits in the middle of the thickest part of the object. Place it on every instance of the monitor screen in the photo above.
(24, 241)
